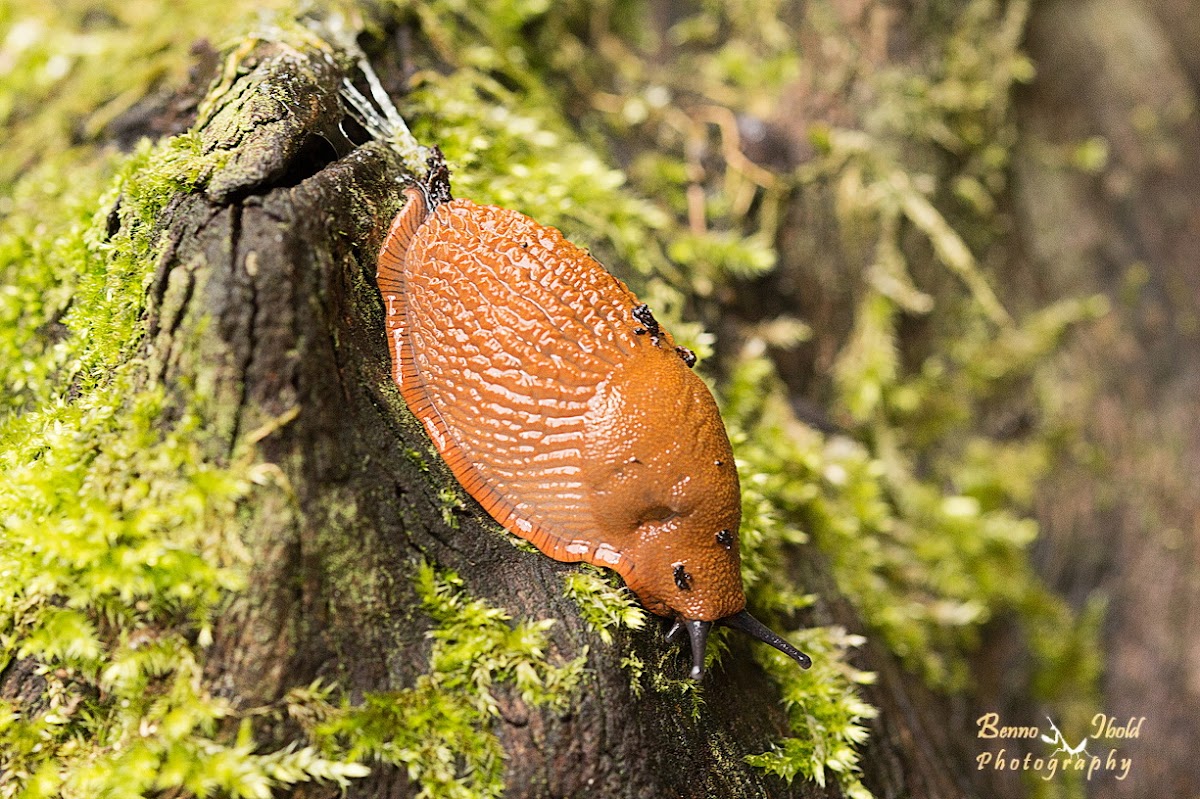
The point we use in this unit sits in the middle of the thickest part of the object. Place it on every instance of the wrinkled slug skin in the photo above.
(521, 356)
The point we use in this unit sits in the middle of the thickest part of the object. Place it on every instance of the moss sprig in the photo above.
(439, 731)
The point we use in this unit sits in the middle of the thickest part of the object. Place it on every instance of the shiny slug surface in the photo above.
(560, 404)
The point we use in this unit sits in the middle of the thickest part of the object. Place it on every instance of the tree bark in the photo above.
(1122, 518)
(264, 309)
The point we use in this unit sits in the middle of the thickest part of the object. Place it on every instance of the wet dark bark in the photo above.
(263, 311)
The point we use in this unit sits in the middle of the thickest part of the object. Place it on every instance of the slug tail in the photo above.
(422, 200)
(390, 270)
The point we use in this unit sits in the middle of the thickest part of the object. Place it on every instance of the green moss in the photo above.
(603, 605)
(439, 730)
(38, 273)
(70, 69)
(924, 524)
(635, 667)
(451, 499)
(922, 517)
(121, 540)
(774, 453)
(825, 715)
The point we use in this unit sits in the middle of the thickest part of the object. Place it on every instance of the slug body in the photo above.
(561, 405)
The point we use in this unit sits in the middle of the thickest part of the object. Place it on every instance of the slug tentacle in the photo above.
(756, 629)
(698, 635)
(742, 620)
(673, 632)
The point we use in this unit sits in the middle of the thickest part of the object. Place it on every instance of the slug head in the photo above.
(664, 487)
(666, 484)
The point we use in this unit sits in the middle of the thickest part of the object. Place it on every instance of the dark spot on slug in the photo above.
(725, 538)
(687, 355)
(643, 314)
(719, 463)
(682, 578)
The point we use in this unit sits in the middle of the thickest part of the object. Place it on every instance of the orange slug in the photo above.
(563, 407)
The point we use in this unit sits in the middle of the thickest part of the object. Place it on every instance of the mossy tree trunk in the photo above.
(263, 311)
(265, 303)
(263, 319)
